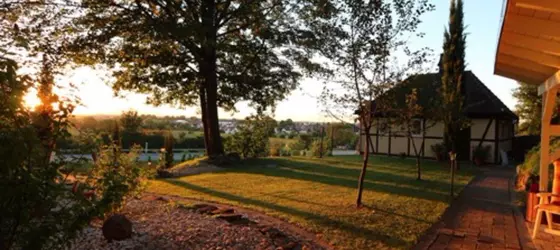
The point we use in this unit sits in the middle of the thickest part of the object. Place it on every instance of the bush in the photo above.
(319, 150)
(117, 176)
(530, 167)
(439, 151)
(40, 211)
(481, 153)
(251, 139)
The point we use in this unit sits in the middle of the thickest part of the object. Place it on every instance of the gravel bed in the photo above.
(162, 225)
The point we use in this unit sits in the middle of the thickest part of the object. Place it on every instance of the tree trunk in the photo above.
(208, 71)
(364, 168)
(419, 170)
(214, 140)
(202, 94)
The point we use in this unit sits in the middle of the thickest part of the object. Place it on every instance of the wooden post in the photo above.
(549, 102)
(556, 181)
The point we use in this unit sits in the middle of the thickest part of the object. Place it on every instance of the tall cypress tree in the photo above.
(453, 67)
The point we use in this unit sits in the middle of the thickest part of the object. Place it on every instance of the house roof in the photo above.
(480, 102)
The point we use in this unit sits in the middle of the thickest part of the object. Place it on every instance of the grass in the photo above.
(189, 163)
(319, 195)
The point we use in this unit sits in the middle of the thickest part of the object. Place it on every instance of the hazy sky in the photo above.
(482, 17)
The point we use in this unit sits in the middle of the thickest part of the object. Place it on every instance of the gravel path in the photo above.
(161, 225)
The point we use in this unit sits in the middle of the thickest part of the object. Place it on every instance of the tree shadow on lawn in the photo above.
(321, 220)
(425, 189)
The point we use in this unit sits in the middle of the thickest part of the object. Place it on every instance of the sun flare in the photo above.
(31, 100)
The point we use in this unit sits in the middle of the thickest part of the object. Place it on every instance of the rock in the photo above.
(117, 227)
(162, 198)
(223, 210)
(199, 205)
(289, 246)
(207, 209)
(229, 217)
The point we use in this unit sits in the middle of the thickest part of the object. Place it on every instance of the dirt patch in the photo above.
(161, 223)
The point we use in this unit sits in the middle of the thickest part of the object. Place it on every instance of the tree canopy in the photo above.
(215, 52)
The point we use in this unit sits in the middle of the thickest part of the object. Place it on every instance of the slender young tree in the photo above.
(453, 68)
(372, 32)
(453, 89)
(409, 115)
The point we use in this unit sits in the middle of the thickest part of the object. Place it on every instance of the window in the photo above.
(416, 127)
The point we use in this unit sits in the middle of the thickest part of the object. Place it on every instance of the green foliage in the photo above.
(288, 125)
(130, 121)
(342, 135)
(303, 143)
(528, 108)
(481, 153)
(40, 211)
(439, 150)
(531, 165)
(251, 139)
(452, 69)
(117, 176)
(319, 149)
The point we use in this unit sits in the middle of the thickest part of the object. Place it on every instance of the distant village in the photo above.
(229, 126)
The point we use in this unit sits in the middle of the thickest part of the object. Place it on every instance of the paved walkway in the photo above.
(481, 218)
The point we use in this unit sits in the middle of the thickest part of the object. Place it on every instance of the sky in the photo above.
(482, 18)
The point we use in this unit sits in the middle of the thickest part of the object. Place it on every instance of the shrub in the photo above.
(251, 139)
(439, 151)
(184, 157)
(530, 167)
(319, 149)
(117, 176)
(40, 211)
(481, 153)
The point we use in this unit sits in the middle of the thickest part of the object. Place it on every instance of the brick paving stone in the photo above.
(481, 218)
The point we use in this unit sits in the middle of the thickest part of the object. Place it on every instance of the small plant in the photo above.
(439, 151)
(481, 154)
(184, 157)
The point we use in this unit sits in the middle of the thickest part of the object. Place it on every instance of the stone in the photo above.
(162, 198)
(459, 234)
(206, 209)
(117, 227)
(223, 210)
(229, 217)
(289, 246)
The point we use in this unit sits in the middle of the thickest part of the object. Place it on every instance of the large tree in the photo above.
(452, 69)
(374, 32)
(528, 108)
(211, 53)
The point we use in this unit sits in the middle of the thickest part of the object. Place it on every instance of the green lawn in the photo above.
(319, 195)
